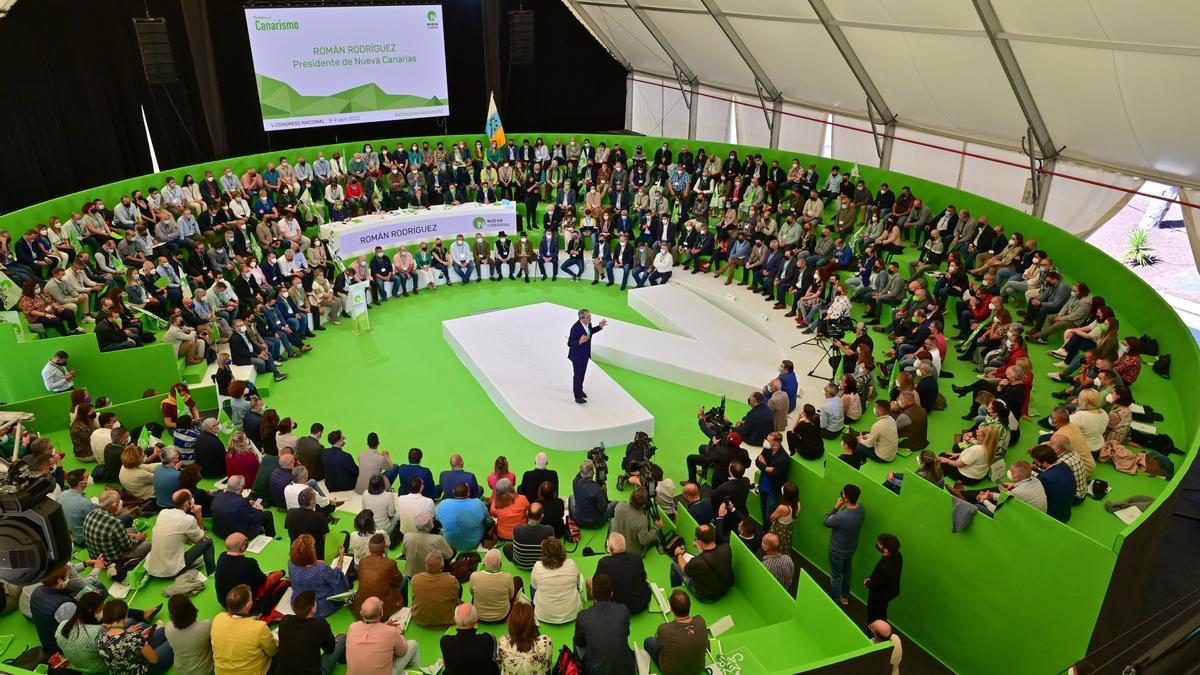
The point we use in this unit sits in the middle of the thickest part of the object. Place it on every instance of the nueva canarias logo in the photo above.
(431, 16)
(478, 222)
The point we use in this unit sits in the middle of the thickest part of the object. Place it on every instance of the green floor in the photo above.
(402, 381)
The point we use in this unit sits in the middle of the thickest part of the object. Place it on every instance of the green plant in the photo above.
(1138, 251)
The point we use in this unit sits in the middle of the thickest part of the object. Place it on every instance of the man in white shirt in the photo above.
(662, 265)
(174, 529)
(413, 504)
(56, 376)
(460, 257)
(102, 435)
(291, 493)
(291, 231)
(1023, 486)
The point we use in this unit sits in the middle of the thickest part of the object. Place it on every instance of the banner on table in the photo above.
(395, 229)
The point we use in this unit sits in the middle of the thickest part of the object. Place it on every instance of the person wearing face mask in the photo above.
(1076, 309)
(573, 266)
(503, 257)
(481, 254)
(524, 253)
(383, 274)
(548, 254)
(460, 259)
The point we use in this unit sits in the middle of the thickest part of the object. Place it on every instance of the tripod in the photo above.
(830, 349)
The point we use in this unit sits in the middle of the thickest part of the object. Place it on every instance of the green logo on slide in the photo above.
(431, 16)
(478, 223)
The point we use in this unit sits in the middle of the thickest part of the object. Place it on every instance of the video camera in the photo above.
(714, 419)
(637, 461)
(599, 458)
(34, 539)
(835, 330)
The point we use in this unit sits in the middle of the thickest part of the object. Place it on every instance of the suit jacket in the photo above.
(379, 576)
(308, 454)
(242, 349)
(625, 257)
(369, 464)
(531, 480)
(210, 455)
(523, 249)
(341, 473)
(548, 248)
(580, 352)
(735, 490)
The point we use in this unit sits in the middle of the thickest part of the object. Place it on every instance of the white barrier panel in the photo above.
(362, 234)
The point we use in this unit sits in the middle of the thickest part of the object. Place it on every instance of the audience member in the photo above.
(556, 582)
(189, 637)
(241, 642)
(378, 647)
(462, 517)
(449, 480)
(235, 568)
(679, 646)
(306, 642)
(602, 632)
(379, 577)
(231, 512)
(777, 561)
(627, 573)
(435, 594)
(524, 651)
(883, 585)
(418, 545)
(493, 591)
(845, 520)
(174, 529)
(532, 480)
(467, 650)
(308, 572)
(709, 573)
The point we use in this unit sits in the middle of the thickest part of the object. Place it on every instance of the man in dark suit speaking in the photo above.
(579, 349)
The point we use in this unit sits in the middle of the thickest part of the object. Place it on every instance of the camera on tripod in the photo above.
(835, 330)
(637, 461)
(599, 459)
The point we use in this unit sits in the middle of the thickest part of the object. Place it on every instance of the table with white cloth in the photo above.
(396, 228)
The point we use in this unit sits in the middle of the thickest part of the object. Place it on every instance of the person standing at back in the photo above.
(846, 520)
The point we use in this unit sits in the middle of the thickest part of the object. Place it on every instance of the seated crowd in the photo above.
(815, 250)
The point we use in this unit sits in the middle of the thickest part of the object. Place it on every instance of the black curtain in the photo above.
(69, 100)
(75, 86)
(591, 96)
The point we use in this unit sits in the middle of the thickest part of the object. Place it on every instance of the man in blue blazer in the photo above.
(548, 254)
(579, 349)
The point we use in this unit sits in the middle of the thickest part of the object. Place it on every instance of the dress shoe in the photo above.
(780, 305)
(958, 390)
(581, 400)
(1061, 395)
(790, 314)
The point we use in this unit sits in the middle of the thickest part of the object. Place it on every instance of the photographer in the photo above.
(589, 504)
(753, 428)
(631, 521)
(718, 455)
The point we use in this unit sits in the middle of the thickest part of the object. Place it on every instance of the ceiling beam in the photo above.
(1170, 50)
(1012, 70)
(856, 66)
(594, 29)
(661, 38)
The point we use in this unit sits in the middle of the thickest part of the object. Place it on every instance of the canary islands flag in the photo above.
(494, 127)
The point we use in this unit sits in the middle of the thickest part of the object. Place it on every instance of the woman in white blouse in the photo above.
(556, 584)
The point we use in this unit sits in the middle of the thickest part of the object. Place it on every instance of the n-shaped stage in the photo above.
(519, 356)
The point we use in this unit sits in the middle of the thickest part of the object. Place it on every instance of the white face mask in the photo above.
(1009, 476)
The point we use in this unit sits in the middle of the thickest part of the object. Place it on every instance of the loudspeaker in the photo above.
(155, 48)
(521, 38)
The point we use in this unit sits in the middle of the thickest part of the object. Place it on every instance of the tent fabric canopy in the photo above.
(1104, 88)
(1113, 81)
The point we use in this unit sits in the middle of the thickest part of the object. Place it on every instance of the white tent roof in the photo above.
(1111, 83)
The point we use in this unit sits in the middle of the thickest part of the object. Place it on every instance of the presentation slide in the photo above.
(318, 66)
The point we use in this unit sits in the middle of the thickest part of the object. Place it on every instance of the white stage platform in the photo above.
(519, 356)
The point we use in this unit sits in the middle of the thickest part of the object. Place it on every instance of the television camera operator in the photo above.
(847, 351)
(636, 461)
